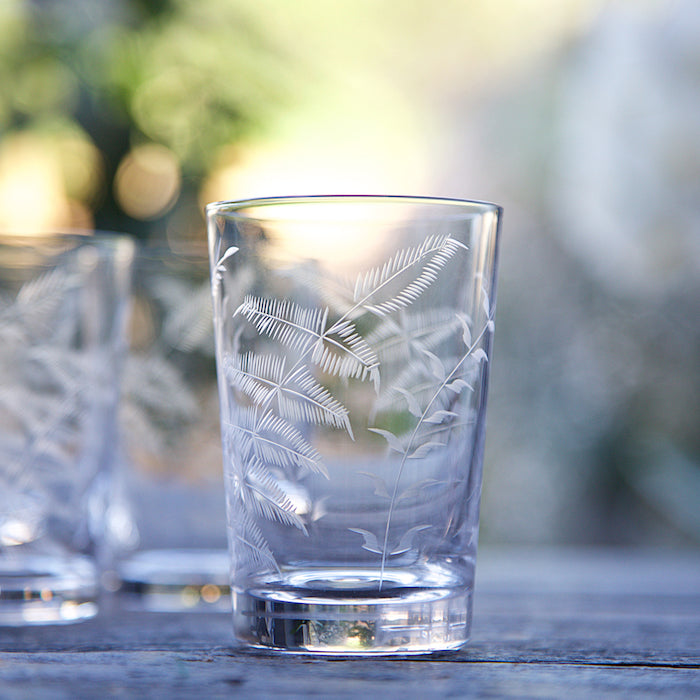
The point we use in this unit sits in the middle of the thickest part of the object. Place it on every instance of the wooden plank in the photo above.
(552, 625)
(217, 673)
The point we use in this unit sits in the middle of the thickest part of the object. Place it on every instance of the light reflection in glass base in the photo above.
(45, 590)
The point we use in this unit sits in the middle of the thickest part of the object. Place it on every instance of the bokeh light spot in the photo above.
(31, 186)
(148, 181)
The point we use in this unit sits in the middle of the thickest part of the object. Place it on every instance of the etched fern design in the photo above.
(431, 256)
(280, 390)
(435, 419)
(337, 349)
(46, 382)
(273, 441)
(300, 398)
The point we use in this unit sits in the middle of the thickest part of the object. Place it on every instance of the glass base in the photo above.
(344, 611)
(43, 590)
(176, 580)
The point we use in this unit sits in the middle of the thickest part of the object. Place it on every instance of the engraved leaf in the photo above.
(436, 366)
(429, 257)
(485, 302)
(440, 416)
(458, 385)
(479, 354)
(417, 381)
(304, 399)
(413, 405)
(157, 388)
(158, 402)
(36, 305)
(380, 487)
(263, 493)
(419, 489)
(274, 441)
(339, 350)
(406, 542)
(252, 549)
(348, 355)
(188, 326)
(42, 288)
(220, 268)
(301, 399)
(394, 442)
(294, 326)
(395, 337)
(422, 450)
(371, 544)
(257, 376)
(50, 428)
(466, 330)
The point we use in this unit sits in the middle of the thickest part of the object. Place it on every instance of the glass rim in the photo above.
(233, 208)
(73, 236)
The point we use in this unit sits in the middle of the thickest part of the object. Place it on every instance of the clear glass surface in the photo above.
(353, 339)
(63, 304)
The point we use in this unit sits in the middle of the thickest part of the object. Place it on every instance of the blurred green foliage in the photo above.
(191, 76)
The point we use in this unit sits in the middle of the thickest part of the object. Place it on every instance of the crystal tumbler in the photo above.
(63, 304)
(172, 536)
(353, 338)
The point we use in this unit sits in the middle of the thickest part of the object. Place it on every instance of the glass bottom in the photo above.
(44, 590)
(176, 580)
(344, 611)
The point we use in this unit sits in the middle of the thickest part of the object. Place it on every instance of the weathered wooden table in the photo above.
(548, 624)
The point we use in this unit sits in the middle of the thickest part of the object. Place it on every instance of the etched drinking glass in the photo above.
(172, 538)
(353, 338)
(63, 305)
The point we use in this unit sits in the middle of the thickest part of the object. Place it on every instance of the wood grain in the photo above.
(555, 624)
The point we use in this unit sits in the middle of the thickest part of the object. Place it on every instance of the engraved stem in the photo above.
(444, 383)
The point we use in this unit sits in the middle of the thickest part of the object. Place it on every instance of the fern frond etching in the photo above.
(295, 353)
(49, 388)
(300, 398)
(419, 443)
(429, 257)
(272, 440)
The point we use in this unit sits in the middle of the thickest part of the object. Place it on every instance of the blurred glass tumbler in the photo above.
(63, 301)
(172, 536)
(353, 337)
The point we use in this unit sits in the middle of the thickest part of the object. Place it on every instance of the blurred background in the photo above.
(580, 117)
